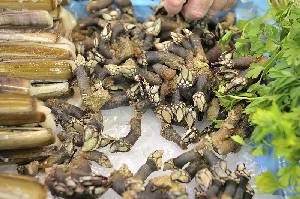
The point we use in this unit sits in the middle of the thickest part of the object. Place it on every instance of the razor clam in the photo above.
(51, 70)
(24, 138)
(30, 4)
(14, 85)
(25, 19)
(40, 90)
(21, 187)
(37, 37)
(44, 90)
(30, 50)
(16, 109)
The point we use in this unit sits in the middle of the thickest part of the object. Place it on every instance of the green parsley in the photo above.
(274, 100)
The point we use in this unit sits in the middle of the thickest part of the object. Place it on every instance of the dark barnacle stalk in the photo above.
(98, 157)
(102, 47)
(93, 139)
(119, 179)
(189, 172)
(233, 124)
(69, 109)
(159, 187)
(164, 72)
(214, 54)
(153, 163)
(238, 83)
(89, 126)
(181, 39)
(152, 30)
(152, 57)
(116, 100)
(130, 70)
(97, 5)
(230, 187)
(181, 160)
(244, 176)
(169, 133)
(201, 95)
(172, 47)
(76, 180)
(119, 28)
(94, 97)
(124, 144)
(123, 180)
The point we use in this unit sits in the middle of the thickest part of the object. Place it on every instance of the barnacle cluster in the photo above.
(164, 64)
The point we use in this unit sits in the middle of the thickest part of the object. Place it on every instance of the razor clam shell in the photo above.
(16, 109)
(31, 50)
(21, 187)
(55, 89)
(38, 69)
(29, 4)
(25, 18)
(22, 156)
(14, 85)
(25, 138)
(37, 37)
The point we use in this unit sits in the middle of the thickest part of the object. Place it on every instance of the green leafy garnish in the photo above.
(238, 139)
(274, 100)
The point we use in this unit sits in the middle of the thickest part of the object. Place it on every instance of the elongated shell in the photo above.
(55, 89)
(30, 50)
(21, 187)
(29, 4)
(37, 37)
(24, 138)
(21, 156)
(25, 19)
(18, 109)
(14, 85)
(38, 69)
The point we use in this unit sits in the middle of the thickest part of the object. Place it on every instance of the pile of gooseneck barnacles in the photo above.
(164, 64)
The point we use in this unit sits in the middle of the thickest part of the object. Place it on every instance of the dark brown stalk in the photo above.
(125, 144)
(103, 47)
(214, 54)
(98, 5)
(169, 59)
(227, 129)
(82, 79)
(70, 109)
(230, 189)
(117, 100)
(186, 175)
(88, 21)
(153, 163)
(98, 157)
(69, 123)
(164, 72)
(76, 180)
(150, 77)
(182, 160)
(238, 83)
(215, 189)
(243, 62)
(169, 133)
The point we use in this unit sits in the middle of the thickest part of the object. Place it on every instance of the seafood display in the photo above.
(165, 64)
